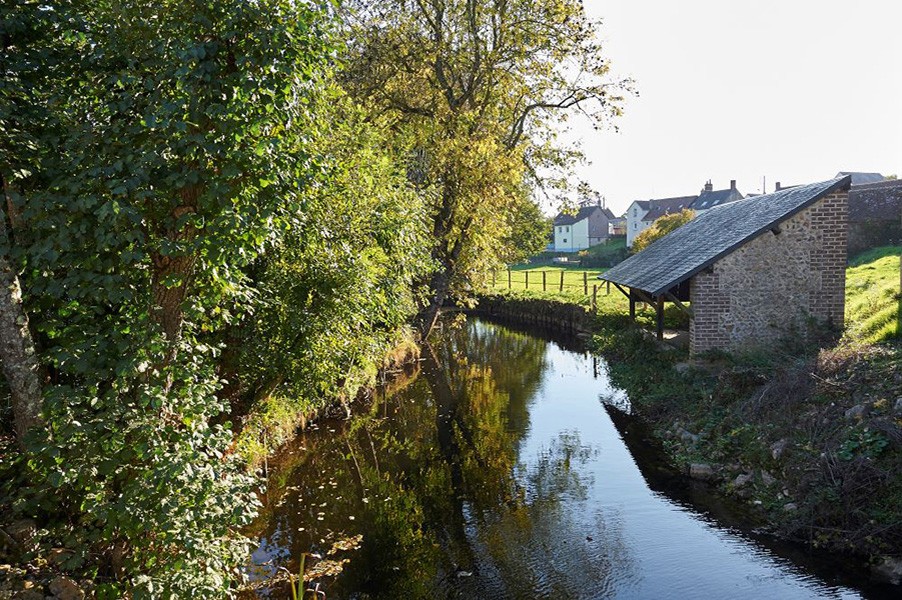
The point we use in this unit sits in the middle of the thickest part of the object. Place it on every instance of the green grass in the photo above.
(873, 306)
(573, 279)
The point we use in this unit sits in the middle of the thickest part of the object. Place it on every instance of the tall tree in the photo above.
(475, 91)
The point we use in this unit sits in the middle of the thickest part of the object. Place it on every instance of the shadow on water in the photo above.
(662, 478)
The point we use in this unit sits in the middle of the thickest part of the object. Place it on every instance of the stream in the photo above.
(507, 467)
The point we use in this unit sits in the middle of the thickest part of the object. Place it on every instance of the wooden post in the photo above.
(632, 306)
(585, 283)
(660, 317)
(527, 279)
(562, 280)
(594, 297)
(609, 288)
(543, 281)
(508, 278)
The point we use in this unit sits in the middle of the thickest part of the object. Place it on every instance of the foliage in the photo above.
(184, 179)
(608, 254)
(661, 227)
(474, 93)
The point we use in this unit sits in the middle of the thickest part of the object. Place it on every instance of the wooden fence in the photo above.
(553, 281)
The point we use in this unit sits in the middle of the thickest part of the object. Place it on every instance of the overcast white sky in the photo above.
(790, 90)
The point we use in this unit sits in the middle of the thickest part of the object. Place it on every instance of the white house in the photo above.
(588, 227)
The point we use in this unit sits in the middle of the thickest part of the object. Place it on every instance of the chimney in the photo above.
(777, 189)
(709, 187)
(733, 184)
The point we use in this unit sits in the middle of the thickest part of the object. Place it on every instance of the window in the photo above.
(565, 240)
(635, 212)
(568, 229)
(635, 226)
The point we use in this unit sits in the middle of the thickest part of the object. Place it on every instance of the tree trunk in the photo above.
(439, 285)
(173, 273)
(17, 349)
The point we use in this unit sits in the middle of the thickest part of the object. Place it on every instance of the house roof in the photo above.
(583, 213)
(860, 178)
(712, 235)
(665, 206)
(875, 201)
(714, 198)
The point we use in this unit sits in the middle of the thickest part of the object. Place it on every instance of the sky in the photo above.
(788, 90)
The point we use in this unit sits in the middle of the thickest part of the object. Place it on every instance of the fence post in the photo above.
(609, 288)
(585, 283)
(508, 278)
(562, 280)
(543, 281)
(594, 297)
(527, 279)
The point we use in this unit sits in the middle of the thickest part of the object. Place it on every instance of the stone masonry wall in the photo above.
(772, 286)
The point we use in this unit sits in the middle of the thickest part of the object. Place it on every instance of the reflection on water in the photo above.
(498, 473)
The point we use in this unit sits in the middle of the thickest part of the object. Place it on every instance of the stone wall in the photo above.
(776, 285)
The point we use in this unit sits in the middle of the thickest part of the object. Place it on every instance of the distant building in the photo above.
(588, 227)
(642, 213)
(875, 215)
(859, 178)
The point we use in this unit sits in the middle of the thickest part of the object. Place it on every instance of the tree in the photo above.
(474, 91)
(661, 227)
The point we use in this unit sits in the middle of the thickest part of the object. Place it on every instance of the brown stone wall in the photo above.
(774, 285)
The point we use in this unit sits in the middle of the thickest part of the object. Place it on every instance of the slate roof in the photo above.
(570, 219)
(584, 212)
(876, 201)
(665, 206)
(860, 178)
(712, 235)
(714, 198)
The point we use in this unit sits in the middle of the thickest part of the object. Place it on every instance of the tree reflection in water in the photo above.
(434, 481)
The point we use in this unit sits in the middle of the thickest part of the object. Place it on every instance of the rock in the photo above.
(778, 448)
(688, 438)
(682, 368)
(889, 569)
(28, 595)
(859, 411)
(742, 480)
(701, 471)
(790, 507)
(767, 479)
(897, 407)
(24, 532)
(66, 589)
(58, 556)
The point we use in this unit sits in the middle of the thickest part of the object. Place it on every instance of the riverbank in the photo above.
(810, 438)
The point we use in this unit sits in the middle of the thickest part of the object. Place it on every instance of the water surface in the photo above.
(498, 473)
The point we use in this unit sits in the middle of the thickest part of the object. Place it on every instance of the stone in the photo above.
(790, 507)
(689, 438)
(742, 480)
(682, 368)
(767, 479)
(889, 569)
(28, 595)
(701, 471)
(897, 407)
(24, 532)
(778, 448)
(66, 589)
(859, 411)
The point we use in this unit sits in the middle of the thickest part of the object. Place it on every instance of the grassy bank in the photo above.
(812, 436)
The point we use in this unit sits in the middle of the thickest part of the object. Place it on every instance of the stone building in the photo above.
(754, 271)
